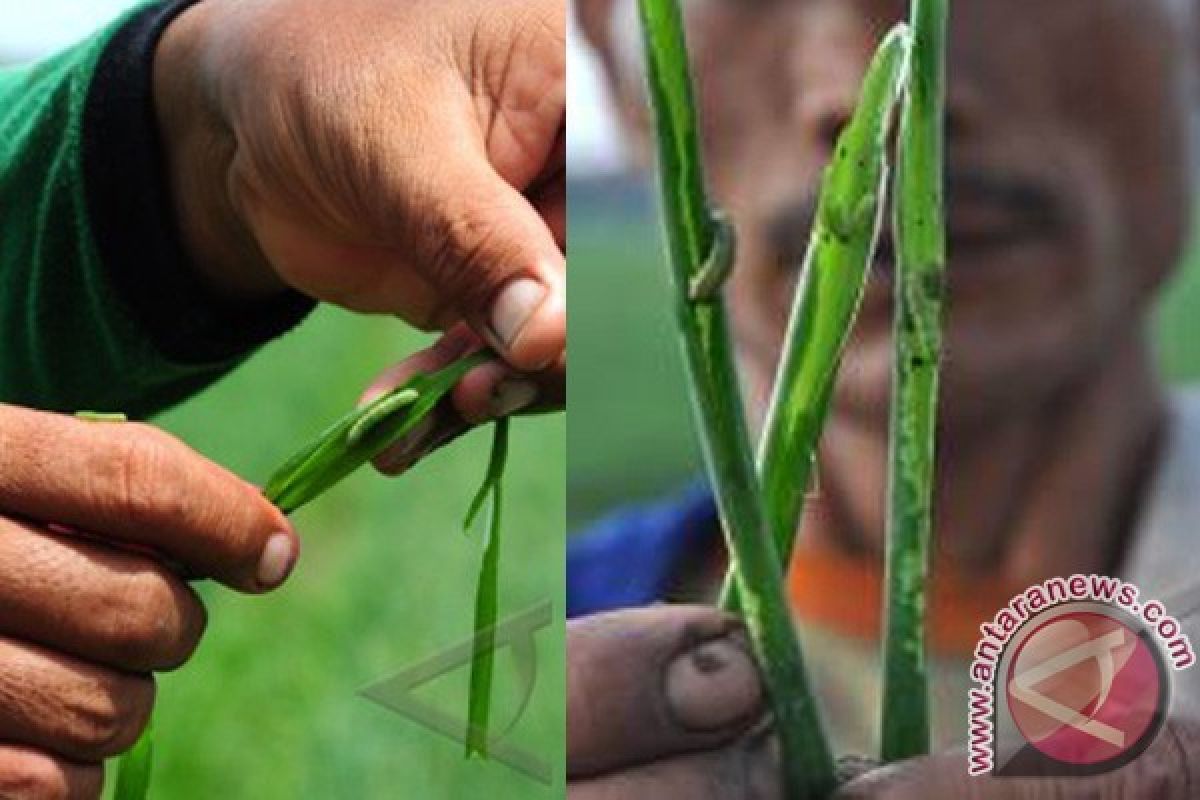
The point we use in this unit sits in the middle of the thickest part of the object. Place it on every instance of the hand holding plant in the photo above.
(91, 511)
(343, 447)
(760, 511)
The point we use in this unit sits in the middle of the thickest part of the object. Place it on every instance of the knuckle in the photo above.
(471, 252)
(103, 721)
(144, 490)
(153, 622)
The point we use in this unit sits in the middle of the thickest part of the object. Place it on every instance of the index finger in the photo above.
(131, 483)
(25, 772)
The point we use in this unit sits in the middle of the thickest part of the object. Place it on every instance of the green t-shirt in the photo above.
(99, 307)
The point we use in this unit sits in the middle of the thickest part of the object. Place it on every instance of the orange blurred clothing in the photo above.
(845, 593)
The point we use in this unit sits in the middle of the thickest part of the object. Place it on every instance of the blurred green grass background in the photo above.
(630, 434)
(269, 706)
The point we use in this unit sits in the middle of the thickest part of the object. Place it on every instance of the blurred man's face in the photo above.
(1067, 166)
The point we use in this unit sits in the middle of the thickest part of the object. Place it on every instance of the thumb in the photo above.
(492, 258)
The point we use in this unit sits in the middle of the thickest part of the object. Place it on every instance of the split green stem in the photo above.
(693, 233)
(920, 236)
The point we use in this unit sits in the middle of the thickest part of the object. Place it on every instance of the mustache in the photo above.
(1031, 208)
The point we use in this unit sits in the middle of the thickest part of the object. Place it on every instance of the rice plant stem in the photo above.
(702, 324)
(362, 434)
(832, 280)
(921, 256)
(134, 767)
(487, 595)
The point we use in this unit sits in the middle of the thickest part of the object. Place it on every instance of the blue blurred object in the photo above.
(629, 557)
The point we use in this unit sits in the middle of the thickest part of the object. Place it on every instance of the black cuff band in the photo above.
(133, 217)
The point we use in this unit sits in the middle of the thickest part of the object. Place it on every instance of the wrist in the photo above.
(199, 147)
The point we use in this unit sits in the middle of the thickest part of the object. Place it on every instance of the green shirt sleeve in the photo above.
(99, 307)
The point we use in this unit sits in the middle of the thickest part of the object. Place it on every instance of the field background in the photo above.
(630, 436)
(269, 707)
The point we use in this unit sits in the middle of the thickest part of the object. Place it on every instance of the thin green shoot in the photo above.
(920, 235)
(841, 248)
(362, 434)
(487, 594)
(135, 766)
(696, 259)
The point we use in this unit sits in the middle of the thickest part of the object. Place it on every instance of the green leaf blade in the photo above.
(920, 234)
(362, 434)
(487, 598)
(135, 766)
(828, 295)
(690, 231)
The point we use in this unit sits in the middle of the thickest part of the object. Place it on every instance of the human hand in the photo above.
(485, 393)
(666, 702)
(1168, 770)
(89, 514)
(402, 158)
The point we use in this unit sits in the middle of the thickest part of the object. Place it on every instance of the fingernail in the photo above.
(276, 561)
(401, 453)
(510, 396)
(514, 307)
(713, 686)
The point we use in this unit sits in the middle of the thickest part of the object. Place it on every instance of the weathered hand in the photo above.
(404, 158)
(89, 514)
(666, 702)
(1168, 770)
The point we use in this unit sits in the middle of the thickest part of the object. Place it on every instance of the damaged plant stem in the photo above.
(828, 294)
(365, 432)
(699, 244)
(362, 434)
(343, 447)
(920, 234)
(487, 594)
